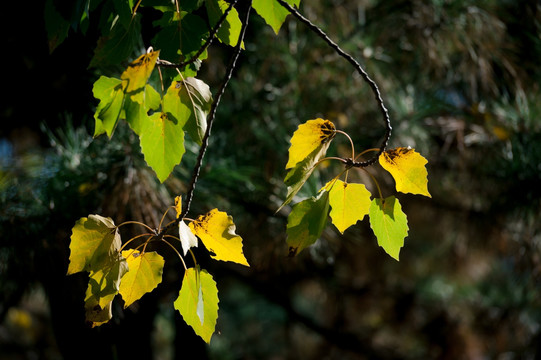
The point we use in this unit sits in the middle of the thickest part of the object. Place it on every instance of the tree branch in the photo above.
(210, 121)
(364, 75)
(212, 34)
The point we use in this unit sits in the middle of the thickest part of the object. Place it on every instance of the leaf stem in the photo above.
(133, 238)
(364, 152)
(137, 223)
(350, 141)
(375, 182)
(180, 256)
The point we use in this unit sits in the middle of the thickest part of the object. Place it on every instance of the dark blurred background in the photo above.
(461, 81)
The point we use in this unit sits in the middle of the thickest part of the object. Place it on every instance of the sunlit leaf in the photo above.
(349, 203)
(187, 238)
(389, 223)
(273, 13)
(230, 30)
(137, 75)
(137, 113)
(110, 92)
(144, 274)
(310, 136)
(217, 232)
(95, 242)
(197, 302)
(178, 206)
(162, 144)
(306, 222)
(189, 102)
(408, 170)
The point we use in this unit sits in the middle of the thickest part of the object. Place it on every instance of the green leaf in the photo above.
(162, 144)
(306, 222)
(56, 25)
(95, 242)
(272, 12)
(111, 95)
(230, 30)
(137, 114)
(103, 285)
(217, 232)
(408, 170)
(349, 203)
(145, 273)
(197, 302)
(189, 102)
(389, 223)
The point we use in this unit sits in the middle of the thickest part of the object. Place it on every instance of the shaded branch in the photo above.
(212, 34)
(364, 75)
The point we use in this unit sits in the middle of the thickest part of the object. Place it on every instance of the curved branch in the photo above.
(212, 34)
(364, 75)
(210, 121)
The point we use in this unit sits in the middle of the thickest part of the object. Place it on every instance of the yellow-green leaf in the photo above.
(197, 302)
(137, 74)
(349, 203)
(389, 223)
(94, 242)
(144, 274)
(217, 232)
(408, 170)
(309, 137)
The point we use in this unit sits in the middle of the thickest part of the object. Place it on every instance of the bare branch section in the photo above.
(210, 121)
(212, 35)
(350, 162)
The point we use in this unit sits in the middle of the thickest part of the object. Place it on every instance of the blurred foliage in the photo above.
(461, 81)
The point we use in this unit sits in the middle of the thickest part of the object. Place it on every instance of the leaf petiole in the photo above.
(375, 182)
(350, 141)
(135, 237)
(172, 247)
(137, 223)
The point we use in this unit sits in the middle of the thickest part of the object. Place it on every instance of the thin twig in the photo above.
(364, 75)
(212, 34)
(210, 121)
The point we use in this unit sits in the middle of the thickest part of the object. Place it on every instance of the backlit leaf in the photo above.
(137, 113)
(389, 223)
(408, 170)
(162, 144)
(189, 102)
(103, 285)
(144, 274)
(230, 30)
(110, 92)
(273, 13)
(349, 203)
(137, 75)
(309, 137)
(306, 222)
(197, 302)
(178, 206)
(95, 242)
(187, 238)
(217, 232)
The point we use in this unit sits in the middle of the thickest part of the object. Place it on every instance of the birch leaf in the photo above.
(349, 203)
(197, 302)
(145, 273)
(217, 232)
(408, 170)
(389, 223)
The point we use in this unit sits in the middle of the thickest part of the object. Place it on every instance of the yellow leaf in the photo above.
(408, 170)
(178, 205)
(307, 138)
(217, 232)
(349, 203)
(145, 273)
(138, 72)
